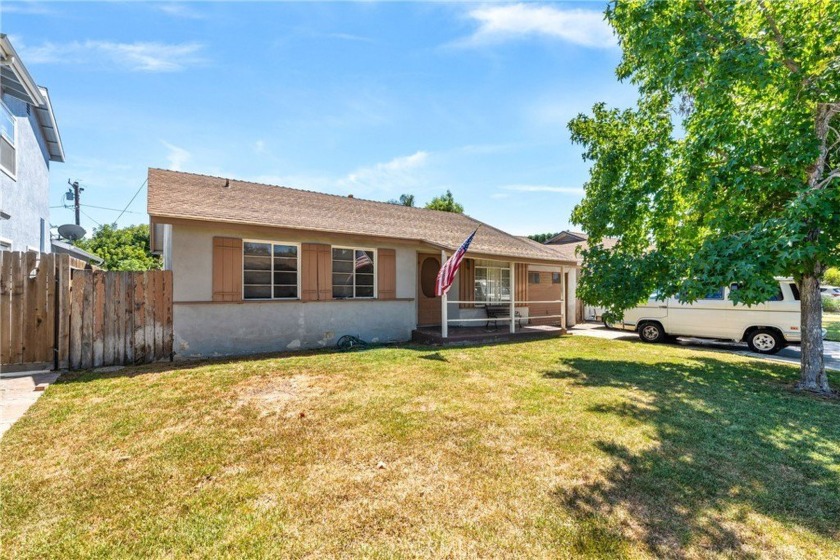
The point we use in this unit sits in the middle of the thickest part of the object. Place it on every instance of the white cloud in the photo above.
(397, 174)
(503, 23)
(177, 156)
(259, 146)
(179, 10)
(27, 8)
(138, 56)
(544, 188)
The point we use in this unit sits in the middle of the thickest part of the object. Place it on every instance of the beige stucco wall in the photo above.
(216, 329)
(205, 328)
(192, 256)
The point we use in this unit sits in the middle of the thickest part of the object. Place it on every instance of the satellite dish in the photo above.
(71, 231)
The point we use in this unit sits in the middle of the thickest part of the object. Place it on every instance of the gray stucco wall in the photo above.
(217, 329)
(26, 197)
(203, 328)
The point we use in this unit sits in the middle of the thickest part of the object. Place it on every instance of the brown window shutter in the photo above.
(309, 272)
(466, 283)
(387, 273)
(227, 269)
(521, 283)
(324, 272)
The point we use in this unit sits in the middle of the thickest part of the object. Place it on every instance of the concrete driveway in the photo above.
(18, 393)
(790, 354)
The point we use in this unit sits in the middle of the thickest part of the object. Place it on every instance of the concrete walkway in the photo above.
(790, 355)
(18, 393)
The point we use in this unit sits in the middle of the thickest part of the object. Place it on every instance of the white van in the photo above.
(766, 327)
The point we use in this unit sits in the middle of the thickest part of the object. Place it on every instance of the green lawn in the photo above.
(831, 322)
(564, 448)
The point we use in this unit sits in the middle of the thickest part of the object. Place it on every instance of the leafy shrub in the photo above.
(832, 277)
(831, 304)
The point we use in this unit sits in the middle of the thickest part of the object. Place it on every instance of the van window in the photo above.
(779, 296)
(717, 294)
(795, 289)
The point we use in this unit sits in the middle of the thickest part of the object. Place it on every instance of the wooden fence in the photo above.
(54, 312)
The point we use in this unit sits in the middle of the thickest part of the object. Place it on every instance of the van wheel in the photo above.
(651, 332)
(765, 341)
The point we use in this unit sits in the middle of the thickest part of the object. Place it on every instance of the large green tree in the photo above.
(727, 169)
(122, 248)
(542, 237)
(446, 203)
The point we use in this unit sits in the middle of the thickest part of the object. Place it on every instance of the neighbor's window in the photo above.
(8, 160)
(269, 270)
(492, 284)
(353, 273)
(555, 277)
(533, 277)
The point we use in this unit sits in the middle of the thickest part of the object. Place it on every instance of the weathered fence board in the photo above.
(53, 311)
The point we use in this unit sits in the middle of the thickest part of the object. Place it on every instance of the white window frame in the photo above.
(272, 243)
(479, 303)
(4, 107)
(375, 272)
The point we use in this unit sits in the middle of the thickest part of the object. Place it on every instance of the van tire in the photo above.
(765, 341)
(651, 332)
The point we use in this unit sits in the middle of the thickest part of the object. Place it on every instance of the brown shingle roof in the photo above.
(175, 194)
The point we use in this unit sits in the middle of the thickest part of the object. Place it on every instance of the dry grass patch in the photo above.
(555, 449)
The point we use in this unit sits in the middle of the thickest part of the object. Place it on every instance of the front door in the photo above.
(428, 305)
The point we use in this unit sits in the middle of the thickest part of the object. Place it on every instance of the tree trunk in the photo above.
(813, 376)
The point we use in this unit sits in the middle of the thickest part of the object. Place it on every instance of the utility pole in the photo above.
(76, 190)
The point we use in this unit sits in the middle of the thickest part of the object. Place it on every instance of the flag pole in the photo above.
(444, 311)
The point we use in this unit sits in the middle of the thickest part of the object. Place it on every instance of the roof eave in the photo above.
(11, 59)
(547, 259)
(49, 127)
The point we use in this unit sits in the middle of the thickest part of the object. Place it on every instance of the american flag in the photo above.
(447, 272)
(362, 259)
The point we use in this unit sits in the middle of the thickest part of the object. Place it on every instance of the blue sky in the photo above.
(373, 99)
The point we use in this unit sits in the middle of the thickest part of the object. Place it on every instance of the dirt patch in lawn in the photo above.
(290, 396)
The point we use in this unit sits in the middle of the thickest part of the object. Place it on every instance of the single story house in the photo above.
(261, 268)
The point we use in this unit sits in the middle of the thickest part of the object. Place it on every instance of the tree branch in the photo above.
(777, 36)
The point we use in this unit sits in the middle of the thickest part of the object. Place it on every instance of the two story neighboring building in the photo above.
(29, 141)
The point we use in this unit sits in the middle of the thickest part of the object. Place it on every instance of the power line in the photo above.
(99, 208)
(132, 200)
(89, 218)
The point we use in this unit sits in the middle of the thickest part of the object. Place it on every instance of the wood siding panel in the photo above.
(387, 274)
(466, 283)
(227, 269)
(521, 282)
(545, 291)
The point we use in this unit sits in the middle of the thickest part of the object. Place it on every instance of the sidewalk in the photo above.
(17, 394)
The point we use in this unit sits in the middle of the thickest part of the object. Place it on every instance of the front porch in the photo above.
(483, 335)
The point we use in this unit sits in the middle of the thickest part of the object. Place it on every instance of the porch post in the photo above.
(444, 315)
(563, 297)
(512, 297)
